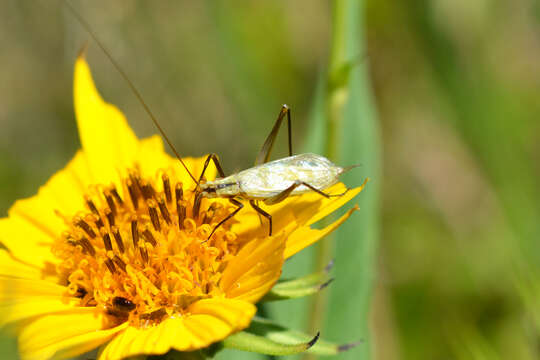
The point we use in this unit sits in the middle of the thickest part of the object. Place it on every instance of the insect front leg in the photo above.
(263, 213)
(239, 207)
(198, 198)
(215, 159)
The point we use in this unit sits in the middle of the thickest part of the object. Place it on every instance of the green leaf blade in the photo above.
(267, 337)
(300, 287)
(247, 341)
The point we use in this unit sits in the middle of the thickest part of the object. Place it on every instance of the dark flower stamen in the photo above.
(149, 237)
(147, 190)
(87, 246)
(133, 194)
(91, 206)
(106, 239)
(110, 217)
(166, 187)
(134, 233)
(117, 197)
(86, 228)
(118, 239)
(110, 202)
(99, 222)
(179, 191)
(152, 211)
(118, 261)
(181, 211)
(110, 266)
(164, 211)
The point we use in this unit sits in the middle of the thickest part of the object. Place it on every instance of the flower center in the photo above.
(140, 253)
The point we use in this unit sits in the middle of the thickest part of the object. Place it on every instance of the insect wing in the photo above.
(269, 179)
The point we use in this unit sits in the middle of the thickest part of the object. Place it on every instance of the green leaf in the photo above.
(281, 334)
(299, 287)
(247, 341)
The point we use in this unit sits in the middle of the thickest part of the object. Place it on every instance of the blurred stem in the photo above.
(336, 98)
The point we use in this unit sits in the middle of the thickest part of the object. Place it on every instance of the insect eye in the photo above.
(123, 304)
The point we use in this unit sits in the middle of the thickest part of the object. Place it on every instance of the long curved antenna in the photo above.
(126, 78)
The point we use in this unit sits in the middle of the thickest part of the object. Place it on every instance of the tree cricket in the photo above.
(268, 181)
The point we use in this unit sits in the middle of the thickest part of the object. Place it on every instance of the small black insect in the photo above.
(81, 292)
(123, 304)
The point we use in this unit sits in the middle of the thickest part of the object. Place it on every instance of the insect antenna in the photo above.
(138, 95)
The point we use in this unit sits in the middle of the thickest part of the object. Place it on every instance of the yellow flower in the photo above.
(108, 253)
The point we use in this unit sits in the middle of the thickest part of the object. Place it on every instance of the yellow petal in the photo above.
(22, 309)
(305, 236)
(11, 266)
(107, 140)
(300, 210)
(152, 157)
(212, 320)
(312, 207)
(330, 205)
(64, 335)
(134, 341)
(25, 298)
(251, 225)
(27, 240)
(255, 269)
(11, 287)
(81, 344)
(209, 321)
(33, 224)
(236, 313)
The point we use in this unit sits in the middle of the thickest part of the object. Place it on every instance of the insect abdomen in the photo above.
(270, 179)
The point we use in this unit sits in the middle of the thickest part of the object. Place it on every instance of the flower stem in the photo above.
(336, 98)
(351, 136)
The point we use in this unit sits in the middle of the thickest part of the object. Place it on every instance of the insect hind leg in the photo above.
(264, 153)
(287, 192)
(263, 213)
(323, 193)
(258, 214)
(340, 194)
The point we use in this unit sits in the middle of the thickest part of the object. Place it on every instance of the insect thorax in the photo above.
(225, 187)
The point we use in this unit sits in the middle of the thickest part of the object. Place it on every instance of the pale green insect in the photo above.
(274, 181)
(298, 174)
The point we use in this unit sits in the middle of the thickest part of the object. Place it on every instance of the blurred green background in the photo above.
(456, 85)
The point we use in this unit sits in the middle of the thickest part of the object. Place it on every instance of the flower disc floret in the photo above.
(140, 253)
